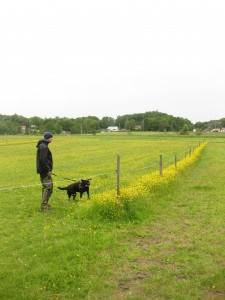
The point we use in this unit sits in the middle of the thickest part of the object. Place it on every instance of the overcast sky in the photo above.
(76, 58)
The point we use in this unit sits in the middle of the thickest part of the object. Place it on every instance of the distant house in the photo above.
(112, 128)
(215, 130)
(34, 129)
(218, 130)
(138, 127)
(23, 129)
(27, 129)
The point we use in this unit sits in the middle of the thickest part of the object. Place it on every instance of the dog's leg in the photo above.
(69, 195)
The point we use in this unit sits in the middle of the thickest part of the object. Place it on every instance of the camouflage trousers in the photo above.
(47, 189)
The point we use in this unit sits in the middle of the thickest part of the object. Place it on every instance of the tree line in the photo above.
(148, 121)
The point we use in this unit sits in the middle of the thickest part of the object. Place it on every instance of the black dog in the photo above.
(77, 187)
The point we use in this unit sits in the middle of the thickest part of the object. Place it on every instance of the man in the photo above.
(44, 168)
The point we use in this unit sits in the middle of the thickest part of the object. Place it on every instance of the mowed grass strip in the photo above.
(66, 255)
(179, 255)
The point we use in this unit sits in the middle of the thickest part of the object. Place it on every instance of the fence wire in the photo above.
(168, 162)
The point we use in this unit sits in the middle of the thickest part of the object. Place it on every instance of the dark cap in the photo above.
(48, 135)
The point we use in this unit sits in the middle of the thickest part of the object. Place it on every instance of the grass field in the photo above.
(169, 247)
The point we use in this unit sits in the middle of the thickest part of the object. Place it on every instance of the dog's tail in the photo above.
(62, 188)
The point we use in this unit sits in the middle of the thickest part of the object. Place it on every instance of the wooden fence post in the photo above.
(175, 161)
(118, 175)
(190, 152)
(160, 165)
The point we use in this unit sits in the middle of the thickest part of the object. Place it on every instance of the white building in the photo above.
(112, 128)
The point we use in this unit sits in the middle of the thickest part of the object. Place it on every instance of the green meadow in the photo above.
(168, 245)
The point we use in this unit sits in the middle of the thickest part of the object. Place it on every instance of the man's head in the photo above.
(48, 136)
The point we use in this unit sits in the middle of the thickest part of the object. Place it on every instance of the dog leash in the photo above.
(64, 177)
